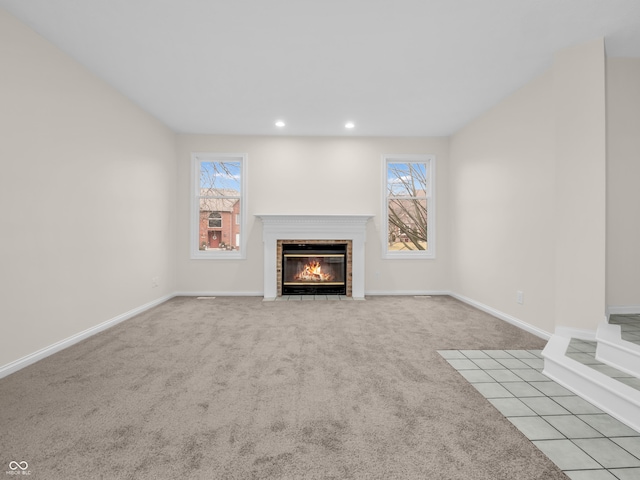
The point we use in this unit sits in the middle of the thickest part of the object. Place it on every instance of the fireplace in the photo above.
(292, 229)
(314, 268)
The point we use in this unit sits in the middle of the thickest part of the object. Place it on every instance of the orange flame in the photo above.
(312, 272)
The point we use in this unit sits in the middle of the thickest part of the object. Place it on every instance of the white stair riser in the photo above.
(615, 398)
(614, 351)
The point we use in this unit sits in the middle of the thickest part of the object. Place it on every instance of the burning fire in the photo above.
(312, 272)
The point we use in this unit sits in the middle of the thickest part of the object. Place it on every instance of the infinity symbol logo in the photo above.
(21, 465)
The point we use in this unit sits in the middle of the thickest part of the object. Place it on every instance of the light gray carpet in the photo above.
(238, 388)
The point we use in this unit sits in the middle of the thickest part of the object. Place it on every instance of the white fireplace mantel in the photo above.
(313, 227)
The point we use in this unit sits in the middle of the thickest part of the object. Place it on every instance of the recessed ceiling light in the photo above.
(349, 125)
(280, 123)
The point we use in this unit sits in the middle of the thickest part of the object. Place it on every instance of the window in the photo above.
(409, 206)
(218, 201)
(215, 220)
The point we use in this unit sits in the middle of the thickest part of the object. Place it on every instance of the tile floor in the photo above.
(630, 326)
(584, 351)
(583, 441)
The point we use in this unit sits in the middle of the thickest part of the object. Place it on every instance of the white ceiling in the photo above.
(394, 67)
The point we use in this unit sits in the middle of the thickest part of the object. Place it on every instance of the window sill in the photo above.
(217, 255)
(409, 256)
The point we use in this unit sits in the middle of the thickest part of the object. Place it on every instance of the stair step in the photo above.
(619, 343)
(573, 364)
(630, 326)
(585, 352)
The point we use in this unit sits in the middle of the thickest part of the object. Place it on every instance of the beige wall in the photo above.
(528, 196)
(87, 193)
(580, 194)
(96, 197)
(501, 188)
(623, 182)
(312, 175)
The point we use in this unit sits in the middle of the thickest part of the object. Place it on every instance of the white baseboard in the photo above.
(261, 294)
(218, 294)
(579, 333)
(503, 316)
(623, 309)
(67, 342)
(406, 293)
(56, 347)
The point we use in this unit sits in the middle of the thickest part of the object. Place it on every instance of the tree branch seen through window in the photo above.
(407, 184)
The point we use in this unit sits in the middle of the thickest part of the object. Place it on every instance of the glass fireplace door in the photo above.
(313, 269)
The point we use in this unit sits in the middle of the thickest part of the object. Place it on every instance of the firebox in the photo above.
(309, 269)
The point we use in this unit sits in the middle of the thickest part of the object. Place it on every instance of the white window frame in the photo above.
(430, 252)
(217, 218)
(196, 159)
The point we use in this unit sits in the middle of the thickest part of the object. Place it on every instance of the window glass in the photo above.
(218, 196)
(408, 205)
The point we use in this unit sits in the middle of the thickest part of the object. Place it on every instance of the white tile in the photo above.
(590, 475)
(607, 453)
(631, 381)
(451, 354)
(572, 427)
(608, 426)
(522, 389)
(576, 405)
(566, 455)
(544, 406)
(551, 388)
(584, 358)
(511, 407)
(462, 364)
(512, 363)
(534, 362)
(492, 390)
(535, 428)
(610, 371)
(530, 375)
(476, 376)
(630, 444)
(521, 353)
(474, 354)
(498, 354)
(487, 364)
(504, 376)
(627, 473)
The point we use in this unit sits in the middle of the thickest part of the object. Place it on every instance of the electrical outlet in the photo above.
(520, 297)
(155, 282)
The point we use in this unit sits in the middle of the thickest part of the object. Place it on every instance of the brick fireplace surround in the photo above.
(279, 229)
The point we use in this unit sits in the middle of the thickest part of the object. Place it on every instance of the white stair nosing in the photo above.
(619, 400)
(616, 352)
